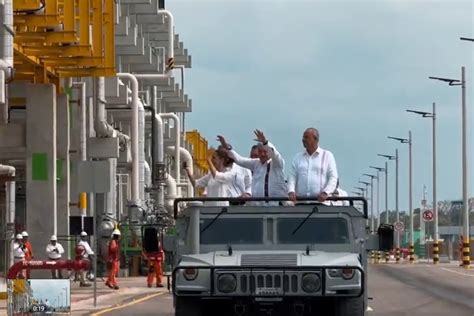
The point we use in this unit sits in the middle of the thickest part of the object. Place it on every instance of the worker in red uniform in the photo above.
(28, 251)
(113, 260)
(155, 261)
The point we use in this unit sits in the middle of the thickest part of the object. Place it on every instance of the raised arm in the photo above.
(248, 163)
(273, 153)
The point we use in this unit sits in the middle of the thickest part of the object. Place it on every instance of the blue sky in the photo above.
(348, 68)
(51, 290)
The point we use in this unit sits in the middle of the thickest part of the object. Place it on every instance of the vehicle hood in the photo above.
(272, 259)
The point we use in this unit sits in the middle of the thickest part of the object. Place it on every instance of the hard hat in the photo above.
(116, 232)
(19, 236)
(83, 233)
(24, 234)
(54, 238)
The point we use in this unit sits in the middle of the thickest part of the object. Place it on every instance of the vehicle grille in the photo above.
(258, 260)
(282, 283)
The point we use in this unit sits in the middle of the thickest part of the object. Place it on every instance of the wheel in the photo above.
(186, 306)
(353, 306)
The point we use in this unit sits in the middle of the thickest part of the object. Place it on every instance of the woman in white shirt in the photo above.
(219, 179)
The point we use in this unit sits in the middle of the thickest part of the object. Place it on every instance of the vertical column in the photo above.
(63, 170)
(41, 200)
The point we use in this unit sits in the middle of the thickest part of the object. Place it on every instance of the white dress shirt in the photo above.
(87, 248)
(18, 252)
(241, 181)
(53, 254)
(268, 179)
(216, 186)
(310, 175)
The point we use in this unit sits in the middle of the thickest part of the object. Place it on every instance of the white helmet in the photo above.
(116, 232)
(83, 233)
(54, 238)
(19, 236)
(24, 234)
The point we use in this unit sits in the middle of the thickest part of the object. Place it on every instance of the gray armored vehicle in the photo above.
(308, 259)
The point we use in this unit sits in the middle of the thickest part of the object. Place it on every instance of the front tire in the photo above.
(353, 306)
(186, 306)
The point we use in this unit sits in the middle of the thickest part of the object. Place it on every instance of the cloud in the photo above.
(350, 68)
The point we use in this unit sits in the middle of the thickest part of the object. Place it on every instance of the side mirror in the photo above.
(386, 237)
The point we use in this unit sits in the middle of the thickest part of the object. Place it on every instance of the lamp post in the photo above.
(379, 169)
(366, 194)
(372, 177)
(410, 190)
(432, 115)
(455, 82)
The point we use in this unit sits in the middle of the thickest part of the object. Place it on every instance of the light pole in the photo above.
(432, 115)
(371, 176)
(366, 195)
(455, 82)
(361, 191)
(466, 39)
(410, 190)
(378, 193)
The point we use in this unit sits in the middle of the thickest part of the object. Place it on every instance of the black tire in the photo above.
(186, 306)
(353, 306)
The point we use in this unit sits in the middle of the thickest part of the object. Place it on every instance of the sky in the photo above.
(51, 289)
(348, 68)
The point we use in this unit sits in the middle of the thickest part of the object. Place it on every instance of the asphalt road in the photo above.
(395, 290)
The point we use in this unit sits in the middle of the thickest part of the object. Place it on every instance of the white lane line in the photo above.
(369, 309)
(457, 272)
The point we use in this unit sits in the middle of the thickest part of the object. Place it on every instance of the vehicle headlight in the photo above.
(345, 273)
(311, 283)
(226, 283)
(190, 274)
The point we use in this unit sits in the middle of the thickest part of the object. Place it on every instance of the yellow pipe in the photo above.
(83, 203)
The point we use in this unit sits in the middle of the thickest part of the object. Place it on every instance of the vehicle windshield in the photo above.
(314, 231)
(232, 231)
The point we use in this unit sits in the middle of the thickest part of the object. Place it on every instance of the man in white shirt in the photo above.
(86, 256)
(313, 171)
(55, 251)
(268, 176)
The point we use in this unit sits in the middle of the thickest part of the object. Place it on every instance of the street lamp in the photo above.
(378, 193)
(397, 215)
(410, 190)
(432, 115)
(465, 171)
(371, 176)
(361, 190)
(466, 39)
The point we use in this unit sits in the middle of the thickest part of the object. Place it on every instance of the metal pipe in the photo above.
(82, 119)
(177, 143)
(185, 156)
(141, 150)
(171, 193)
(170, 32)
(135, 156)
(465, 174)
(397, 214)
(6, 38)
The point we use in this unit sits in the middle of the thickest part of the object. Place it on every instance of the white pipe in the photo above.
(184, 155)
(82, 119)
(147, 174)
(159, 148)
(141, 150)
(170, 32)
(135, 156)
(171, 193)
(177, 145)
(6, 37)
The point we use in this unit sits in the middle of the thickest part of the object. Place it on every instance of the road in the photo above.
(395, 290)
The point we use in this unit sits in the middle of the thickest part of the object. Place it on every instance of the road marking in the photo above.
(128, 304)
(369, 309)
(457, 272)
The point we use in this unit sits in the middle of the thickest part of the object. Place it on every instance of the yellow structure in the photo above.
(200, 150)
(63, 38)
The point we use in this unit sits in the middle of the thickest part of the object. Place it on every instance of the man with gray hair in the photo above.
(313, 171)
